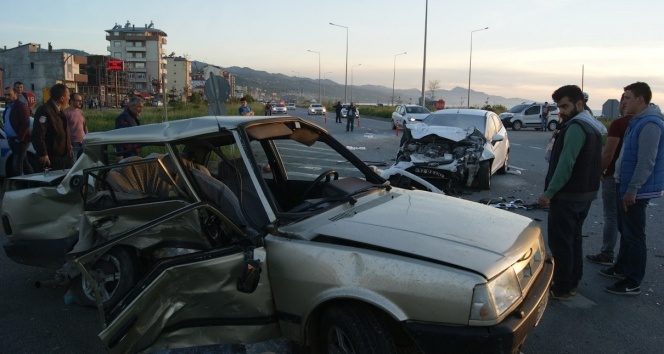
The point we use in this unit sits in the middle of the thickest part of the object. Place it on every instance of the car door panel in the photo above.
(193, 300)
(532, 116)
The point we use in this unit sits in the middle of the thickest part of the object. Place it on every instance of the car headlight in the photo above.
(492, 299)
(411, 119)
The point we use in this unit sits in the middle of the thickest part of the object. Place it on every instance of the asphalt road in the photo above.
(38, 320)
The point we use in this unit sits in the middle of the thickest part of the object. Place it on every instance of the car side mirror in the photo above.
(496, 138)
(247, 281)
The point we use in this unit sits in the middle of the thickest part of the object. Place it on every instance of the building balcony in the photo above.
(136, 49)
(80, 78)
(135, 59)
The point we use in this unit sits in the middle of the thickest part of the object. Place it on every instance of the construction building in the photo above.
(108, 86)
(178, 77)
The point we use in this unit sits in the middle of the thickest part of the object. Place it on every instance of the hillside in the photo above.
(305, 89)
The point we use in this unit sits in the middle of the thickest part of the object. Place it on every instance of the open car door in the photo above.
(176, 291)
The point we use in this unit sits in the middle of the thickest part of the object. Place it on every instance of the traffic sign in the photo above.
(32, 100)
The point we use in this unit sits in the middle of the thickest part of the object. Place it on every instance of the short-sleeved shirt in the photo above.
(244, 109)
(77, 127)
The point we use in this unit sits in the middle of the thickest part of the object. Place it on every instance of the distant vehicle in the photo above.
(316, 109)
(291, 106)
(279, 108)
(408, 113)
(157, 103)
(529, 115)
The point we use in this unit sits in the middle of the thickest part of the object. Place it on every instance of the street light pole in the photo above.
(424, 64)
(351, 82)
(470, 66)
(313, 51)
(346, 81)
(394, 75)
(329, 72)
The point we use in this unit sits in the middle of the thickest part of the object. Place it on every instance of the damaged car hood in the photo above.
(455, 231)
(420, 130)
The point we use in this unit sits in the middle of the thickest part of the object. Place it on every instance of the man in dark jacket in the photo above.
(50, 132)
(337, 110)
(17, 129)
(570, 187)
(129, 118)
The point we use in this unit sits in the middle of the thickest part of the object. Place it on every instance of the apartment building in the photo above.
(178, 76)
(142, 50)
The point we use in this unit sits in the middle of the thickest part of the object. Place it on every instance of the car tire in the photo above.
(553, 125)
(484, 175)
(517, 125)
(118, 271)
(503, 170)
(355, 328)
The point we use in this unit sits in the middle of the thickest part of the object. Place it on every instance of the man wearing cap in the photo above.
(571, 185)
(50, 132)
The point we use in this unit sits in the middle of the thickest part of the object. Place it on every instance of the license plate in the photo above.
(428, 172)
(541, 308)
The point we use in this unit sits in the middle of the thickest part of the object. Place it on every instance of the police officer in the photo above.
(50, 133)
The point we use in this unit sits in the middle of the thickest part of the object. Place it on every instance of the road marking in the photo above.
(532, 147)
(517, 168)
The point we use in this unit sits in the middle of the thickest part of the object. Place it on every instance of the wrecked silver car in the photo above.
(239, 230)
(451, 148)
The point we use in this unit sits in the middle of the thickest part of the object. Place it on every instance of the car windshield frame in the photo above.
(456, 119)
(417, 110)
(518, 108)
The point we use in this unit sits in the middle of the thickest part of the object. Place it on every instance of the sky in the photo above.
(531, 47)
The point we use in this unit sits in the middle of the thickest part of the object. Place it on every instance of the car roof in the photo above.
(175, 130)
(465, 111)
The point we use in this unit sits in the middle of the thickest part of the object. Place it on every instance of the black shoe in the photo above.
(600, 258)
(622, 287)
(574, 290)
(611, 273)
(560, 296)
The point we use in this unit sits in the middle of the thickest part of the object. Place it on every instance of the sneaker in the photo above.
(560, 296)
(622, 287)
(600, 258)
(611, 273)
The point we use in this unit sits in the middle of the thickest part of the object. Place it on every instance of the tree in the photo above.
(432, 86)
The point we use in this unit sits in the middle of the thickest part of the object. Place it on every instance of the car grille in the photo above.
(527, 269)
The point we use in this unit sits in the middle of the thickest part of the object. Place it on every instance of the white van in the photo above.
(529, 115)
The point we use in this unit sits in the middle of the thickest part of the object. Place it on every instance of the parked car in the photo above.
(408, 113)
(234, 229)
(6, 156)
(279, 108)
(456, 147)
(529, 115)
(344, 110)
(157, 103)
(316, 109)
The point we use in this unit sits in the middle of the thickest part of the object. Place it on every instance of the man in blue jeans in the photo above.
(639, 177)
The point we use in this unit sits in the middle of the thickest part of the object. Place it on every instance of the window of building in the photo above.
(139, 44)
(32, 87)
(32, 65)
(139, 65)
(138, 55)
(117, 55)
(117, 43)
(140, 75)
(116, 33)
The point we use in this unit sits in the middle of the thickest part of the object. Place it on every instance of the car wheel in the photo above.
(553, 125)
(503, 170)
(116, 272)
(516, 125)
(354, 329)
(484, 175)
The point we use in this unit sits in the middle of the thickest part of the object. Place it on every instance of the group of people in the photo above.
(351, 114)
(57, 133)
(631, 171)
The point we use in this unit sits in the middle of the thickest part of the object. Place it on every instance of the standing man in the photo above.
(22, 97)
(17, 129)
(268, 108)
(129, 118)
(639, 176)
(571, 185)
(610, 207)
(545, 116)
(50, 132)
(244, 109)
(76, 123)
(337, 110)
(350, 116)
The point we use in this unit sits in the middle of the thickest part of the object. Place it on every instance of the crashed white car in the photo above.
(456, 147)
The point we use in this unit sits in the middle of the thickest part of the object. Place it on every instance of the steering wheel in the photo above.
(327, 175)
